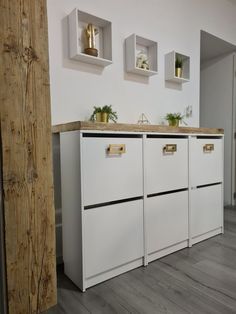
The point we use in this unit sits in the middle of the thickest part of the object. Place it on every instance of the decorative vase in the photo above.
(98, 117)
(178, 72)
(104, 117)
(174, 123)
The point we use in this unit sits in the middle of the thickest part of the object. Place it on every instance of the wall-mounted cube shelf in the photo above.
(134, 45)
(78, 21)
(170, 74)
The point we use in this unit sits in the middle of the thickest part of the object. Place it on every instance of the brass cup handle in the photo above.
(170, 148)
(207, 148)
(114, 149)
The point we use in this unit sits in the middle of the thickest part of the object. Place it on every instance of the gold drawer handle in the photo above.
(207, 148)
(170, 148)
(116, 149)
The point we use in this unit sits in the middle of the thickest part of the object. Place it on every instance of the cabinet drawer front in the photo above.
(167, 220)
(166, 170)
(206, 161)
(113, 236)
(206, 209)
(112, 169)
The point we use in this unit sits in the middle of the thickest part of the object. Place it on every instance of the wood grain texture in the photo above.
(122, 127)
(27, 156)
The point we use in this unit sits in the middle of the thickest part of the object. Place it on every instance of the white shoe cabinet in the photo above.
(130, 198)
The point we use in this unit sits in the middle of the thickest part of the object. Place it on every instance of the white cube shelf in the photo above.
(133, 46)
(170, 59)
(78, 21)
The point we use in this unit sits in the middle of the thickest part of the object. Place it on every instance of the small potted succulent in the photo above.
(174, 119)
(103, 114)
(142, 61)
(178, 67)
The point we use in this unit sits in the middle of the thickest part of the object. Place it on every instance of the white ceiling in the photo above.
(212, 46)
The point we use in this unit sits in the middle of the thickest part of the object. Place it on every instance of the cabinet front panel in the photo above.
(167, 220)
(206, 209)
(111, 175)
(166, 170)
(206, 161)
(113, 236)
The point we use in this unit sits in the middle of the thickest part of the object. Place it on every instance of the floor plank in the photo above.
(198, 280)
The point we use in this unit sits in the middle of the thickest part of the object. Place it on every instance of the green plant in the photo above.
(95, 110)
(178, 63)
(112, 115)
(174, 118)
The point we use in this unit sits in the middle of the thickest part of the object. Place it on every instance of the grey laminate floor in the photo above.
(197, 280)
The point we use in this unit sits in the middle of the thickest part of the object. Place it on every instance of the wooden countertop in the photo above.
(122, 127)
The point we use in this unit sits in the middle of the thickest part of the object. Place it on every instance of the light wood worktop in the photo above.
(122, 127)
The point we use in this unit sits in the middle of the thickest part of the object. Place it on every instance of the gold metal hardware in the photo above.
(170, 148)
(116, 149)
(207, 148)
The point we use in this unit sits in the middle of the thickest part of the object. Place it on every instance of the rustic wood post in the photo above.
(27, 156)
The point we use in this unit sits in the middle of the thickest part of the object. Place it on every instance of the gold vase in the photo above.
(178, 72)
(104, 117)
(174, 123)
(98, 117)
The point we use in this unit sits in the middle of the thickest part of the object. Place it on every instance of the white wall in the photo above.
(175, 25)
(216, 108)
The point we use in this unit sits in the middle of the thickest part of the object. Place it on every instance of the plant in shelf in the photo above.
(142, 61)
(174, 119)
(103, 114)
(178, 67)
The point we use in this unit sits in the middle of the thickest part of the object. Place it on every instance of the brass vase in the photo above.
(98, 117)
(174, 123)
(178, 72)
(104, 117)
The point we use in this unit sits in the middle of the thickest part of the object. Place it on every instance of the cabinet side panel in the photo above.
(71, 206)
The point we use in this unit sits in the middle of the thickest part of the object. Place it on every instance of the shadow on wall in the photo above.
(172, 85)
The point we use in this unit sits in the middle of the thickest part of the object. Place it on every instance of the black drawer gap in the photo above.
(109, 135)
(167, 192)
(206, 185)
(113, 202)
(166, 136)
(208, 137)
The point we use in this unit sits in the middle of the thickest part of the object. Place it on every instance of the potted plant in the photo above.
(103, 114)
(142, 61)
(178, 67)
(174, 119)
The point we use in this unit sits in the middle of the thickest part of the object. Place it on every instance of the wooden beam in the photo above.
(27, 156)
